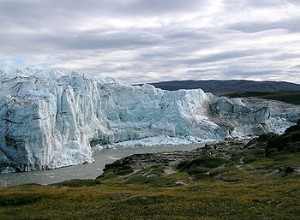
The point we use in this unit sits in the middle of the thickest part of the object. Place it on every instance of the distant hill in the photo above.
(289, 96)
(227, 86)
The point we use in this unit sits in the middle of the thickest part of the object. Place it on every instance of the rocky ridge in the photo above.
(267, 156)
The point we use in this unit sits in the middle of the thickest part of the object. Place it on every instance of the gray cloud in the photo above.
(265, 3)
(296, 67)
(292, 25)
(31, 12)
(286, 56)
(154, 7)
(102, 40)
(227, 55)
(142, 40)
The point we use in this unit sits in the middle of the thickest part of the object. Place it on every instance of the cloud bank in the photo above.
(140, 41)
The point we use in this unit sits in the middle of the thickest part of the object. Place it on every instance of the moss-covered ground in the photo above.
(262, 188)
(262, 198)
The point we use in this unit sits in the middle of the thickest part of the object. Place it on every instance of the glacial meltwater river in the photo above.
(85, 171)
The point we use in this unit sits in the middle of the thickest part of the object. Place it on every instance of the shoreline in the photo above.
(88, 170)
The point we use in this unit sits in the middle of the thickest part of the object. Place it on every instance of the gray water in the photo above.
(85, 171)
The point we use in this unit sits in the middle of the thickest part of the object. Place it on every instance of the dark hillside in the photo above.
(292, 97)
(227, 86)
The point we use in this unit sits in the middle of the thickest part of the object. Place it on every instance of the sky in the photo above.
(138, 41)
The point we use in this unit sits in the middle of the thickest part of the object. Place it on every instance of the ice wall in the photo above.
(50, 120)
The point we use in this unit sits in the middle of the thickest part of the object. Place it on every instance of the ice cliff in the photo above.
(49, 119)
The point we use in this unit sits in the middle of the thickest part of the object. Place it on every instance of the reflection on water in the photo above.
(85, 171)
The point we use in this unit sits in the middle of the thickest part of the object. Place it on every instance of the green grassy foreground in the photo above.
(249, 199)
(256, 181)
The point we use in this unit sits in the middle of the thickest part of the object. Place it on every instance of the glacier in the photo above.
(49, 119)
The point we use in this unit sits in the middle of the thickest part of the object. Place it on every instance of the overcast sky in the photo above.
(140, 41)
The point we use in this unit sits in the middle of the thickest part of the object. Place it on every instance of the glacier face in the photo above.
(50, 120)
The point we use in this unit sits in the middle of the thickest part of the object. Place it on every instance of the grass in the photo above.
(204, 161)
(148, 194)
(283, 160)
(202, 167)
(249, 185)
(259, 199)
(78, 183)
